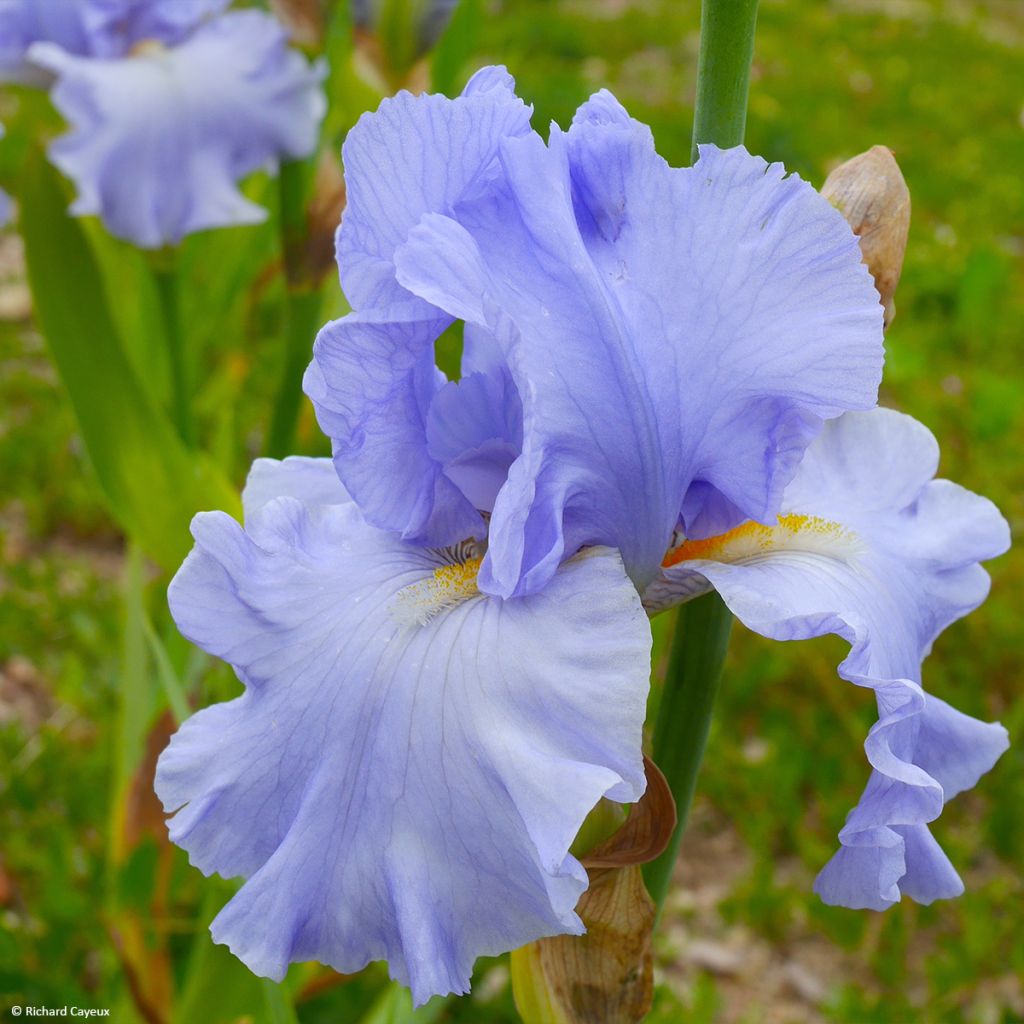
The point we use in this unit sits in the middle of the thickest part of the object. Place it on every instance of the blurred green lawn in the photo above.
(942, 83)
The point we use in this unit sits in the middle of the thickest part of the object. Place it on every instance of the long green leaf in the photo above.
(152, 483)
(173, 688)
(394, 1006)
(218, 988)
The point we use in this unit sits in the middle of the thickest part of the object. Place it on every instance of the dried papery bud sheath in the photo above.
(604, 976)
(870, 192)
(306, 20)
(315, 260)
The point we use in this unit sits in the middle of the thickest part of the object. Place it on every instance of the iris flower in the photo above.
(668, 383)
(160, 137)
(92, 28)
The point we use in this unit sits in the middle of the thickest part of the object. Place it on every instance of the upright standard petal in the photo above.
(115, 26)
(410, 760)
(373, 380)
(870, 547)
(677, 336)
(420, 455)
(24, 22)
(159, 140)
(417, 155)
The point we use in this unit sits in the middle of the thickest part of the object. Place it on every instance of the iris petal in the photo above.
(415, 155)
(870, 547)
(312, 481)
(372, 380)
(677, 336)
(92, 28)
(390, 790)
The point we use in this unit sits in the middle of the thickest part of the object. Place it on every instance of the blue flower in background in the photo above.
(159, 139)
(870, 547)
(676, 337)
(91, 28)
(411, 759)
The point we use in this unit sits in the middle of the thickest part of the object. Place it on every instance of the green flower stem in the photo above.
(702, 627)
(302, 317)
(302, 309)
(165, 274)
(684, 717)
(723, 71)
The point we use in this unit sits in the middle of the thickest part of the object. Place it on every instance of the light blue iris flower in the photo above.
(91, 28)
(160, 138)
(445, 655)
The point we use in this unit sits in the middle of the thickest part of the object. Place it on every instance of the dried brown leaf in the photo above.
(646, 832)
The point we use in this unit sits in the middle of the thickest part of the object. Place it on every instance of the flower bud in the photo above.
(870, 192)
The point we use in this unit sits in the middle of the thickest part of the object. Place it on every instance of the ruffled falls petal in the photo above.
(311, 481)
(410, 760)
(870, 547)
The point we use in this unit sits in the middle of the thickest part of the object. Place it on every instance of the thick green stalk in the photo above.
(302, 309)
(302, 316)
(702, 627)
(165, 274)
(684, 717)
(723, 71)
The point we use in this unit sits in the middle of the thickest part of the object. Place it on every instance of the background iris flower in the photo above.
(91, 28)
(183, 123)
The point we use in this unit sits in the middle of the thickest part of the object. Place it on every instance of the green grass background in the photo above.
(939, 81)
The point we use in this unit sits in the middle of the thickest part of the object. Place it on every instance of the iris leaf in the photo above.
(152, 483)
